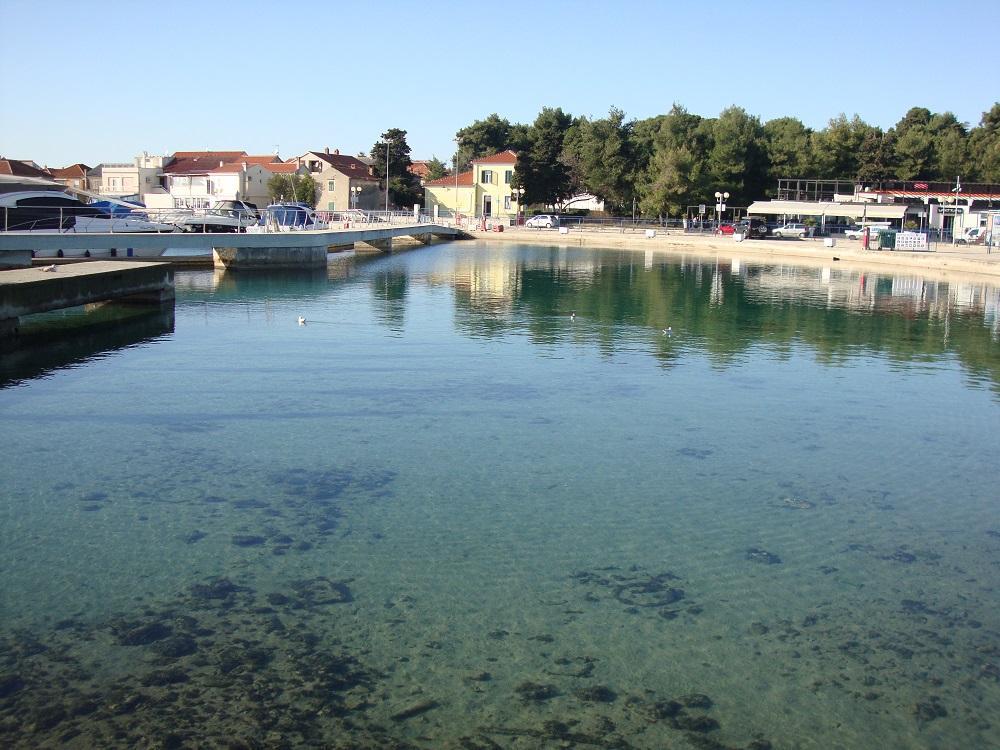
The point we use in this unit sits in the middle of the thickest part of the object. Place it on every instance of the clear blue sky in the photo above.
(97, 82)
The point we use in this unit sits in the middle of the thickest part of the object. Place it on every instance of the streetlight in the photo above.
(720, 206)
(517, 194)
(957, 190)
(355, 195)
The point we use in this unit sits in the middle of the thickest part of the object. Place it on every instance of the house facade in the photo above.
(137, 179)
(197, 179)
(344, 181)
(485, 191)
(73, 176)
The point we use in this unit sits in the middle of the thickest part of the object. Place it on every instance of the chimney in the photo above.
(336, 151)
(221, 162)
(244, 166)
(327, 149)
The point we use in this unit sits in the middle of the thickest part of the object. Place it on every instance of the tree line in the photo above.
(660, 165)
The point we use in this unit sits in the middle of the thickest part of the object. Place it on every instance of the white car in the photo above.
(793, 229)
(542, 220)
(855, 233)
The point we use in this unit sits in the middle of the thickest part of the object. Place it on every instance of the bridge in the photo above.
(231, 251)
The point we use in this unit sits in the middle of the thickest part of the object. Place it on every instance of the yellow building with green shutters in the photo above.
(485, 191)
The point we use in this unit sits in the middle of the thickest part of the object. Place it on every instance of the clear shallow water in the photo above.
(447, 512)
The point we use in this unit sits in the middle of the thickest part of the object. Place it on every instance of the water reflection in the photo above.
(727, 307)
(70, 338)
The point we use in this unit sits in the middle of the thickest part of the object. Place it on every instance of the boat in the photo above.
(54, 211)
(223, 216)
(287, 217)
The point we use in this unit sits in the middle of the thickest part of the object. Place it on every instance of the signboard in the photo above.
(949, 210)
(701, 209)
(722, 207)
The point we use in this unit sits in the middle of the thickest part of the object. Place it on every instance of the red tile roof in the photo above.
(283, 168)
(504, 157)
(420, 167)
(464, 180)
(18, 168)
(348, 165)
(74, 170)
(203, 162)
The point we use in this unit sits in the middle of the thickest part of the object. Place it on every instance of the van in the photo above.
(855, 232)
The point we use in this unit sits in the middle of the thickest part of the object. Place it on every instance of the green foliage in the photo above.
(299, 188)
(436, 169)
(678, 159)
(540, 169)
(403, 185)
(483, 138)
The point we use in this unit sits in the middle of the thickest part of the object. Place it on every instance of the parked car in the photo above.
(854, 233)
(971, 237)
(726, 229)
(752, 229)
(791, 229)
(542, 220)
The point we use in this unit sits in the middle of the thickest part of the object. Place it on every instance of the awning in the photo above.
(828, 208)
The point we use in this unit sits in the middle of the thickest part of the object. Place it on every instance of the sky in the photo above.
(104, 82)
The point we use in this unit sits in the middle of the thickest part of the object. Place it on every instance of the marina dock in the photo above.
(34, 290)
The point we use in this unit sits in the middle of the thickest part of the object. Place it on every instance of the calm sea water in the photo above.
(508, 497)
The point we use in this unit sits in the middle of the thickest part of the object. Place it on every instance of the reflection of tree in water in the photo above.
(389, 289)
(725, 312)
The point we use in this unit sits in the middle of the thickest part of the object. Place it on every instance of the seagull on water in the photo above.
(668, 331)
(302, 321)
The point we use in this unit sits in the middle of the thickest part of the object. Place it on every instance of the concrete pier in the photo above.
(260, 258)
(34, 290)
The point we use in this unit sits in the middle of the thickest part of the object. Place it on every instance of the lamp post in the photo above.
(355, 195)
(720, 206)
(387, 179)
(957, 190)
(518, 195)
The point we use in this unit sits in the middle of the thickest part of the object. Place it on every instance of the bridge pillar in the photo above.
(385, 245)
(256, 258)
(423, 239)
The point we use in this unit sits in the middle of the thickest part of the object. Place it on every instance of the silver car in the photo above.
(542, 220)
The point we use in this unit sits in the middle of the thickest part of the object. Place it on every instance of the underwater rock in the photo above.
(756, 554)
(596, 694)
(414, 710)
(322, 590)
(796, 503)
(665, 709)
(479, 677)
(535, 692)
(165, 677)
(248, 540)
(759, 628)
(195, 536)
(654, 591)
(130, 634)
(695, 700)
(929, 710)
(900, 555)
(10, 684)
(276, 599)
(695, 723)
(220, 588)
(176, 646)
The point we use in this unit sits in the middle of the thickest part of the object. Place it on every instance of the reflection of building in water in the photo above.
(487, 284)
(860, 291)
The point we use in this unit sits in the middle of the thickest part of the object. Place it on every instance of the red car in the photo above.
(725, 229)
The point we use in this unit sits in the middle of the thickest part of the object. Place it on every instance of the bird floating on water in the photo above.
(302, 321)
(572, 315)
(668, 331)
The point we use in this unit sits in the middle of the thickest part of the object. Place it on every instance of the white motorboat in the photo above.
(54, 211)
(287, 217)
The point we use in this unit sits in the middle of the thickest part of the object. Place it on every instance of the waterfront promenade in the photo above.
(944, 260)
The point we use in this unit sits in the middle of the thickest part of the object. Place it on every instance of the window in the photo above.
(486, 177)
(506, 203)
(508, 176)
(331, 185)
(330, 206)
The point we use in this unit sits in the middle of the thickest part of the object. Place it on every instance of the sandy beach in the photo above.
(944, 260)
